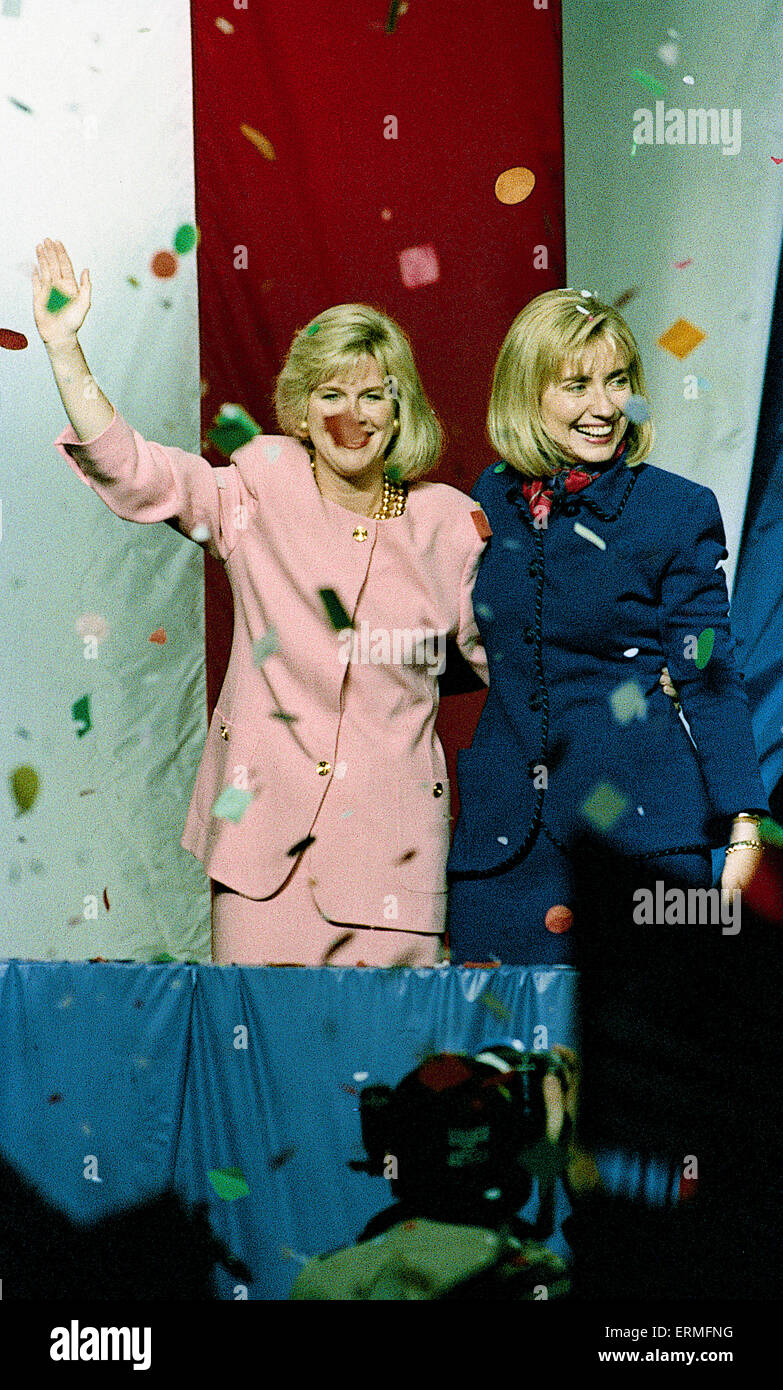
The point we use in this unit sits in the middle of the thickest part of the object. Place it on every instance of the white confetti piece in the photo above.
(265, 646)
(628, 702)
(200, 532)
(340, 770)
(689, 80)
(272, 450)
(631, 651)
(346, 814)
(640, 810)
(589, 535)
(360, 1075)
(503, 839)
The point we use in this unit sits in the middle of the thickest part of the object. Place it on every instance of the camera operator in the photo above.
(462, 1139)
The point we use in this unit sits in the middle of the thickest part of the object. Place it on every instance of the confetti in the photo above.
(704, 645)
(232, 804)
(281, 714)
(346, 814)
(419, 266)
(689, 80)
(625, 298)
(106, 899)
(680, 265)
(131, 280)
(589, 535)
(53, 1099)
(636, 409)
(604, 806)
(500, 467)
(301, 845)
(631, 651)
(163, 958)
(406, 961)
(224, 26)
(229, 1183)
(334, 610)
(405, 858)
(24, 785)
(11, 340)
(391, 18)
(514, 185)
(628, 702)
(386, 214)
(80, 710)
(361, 1075)
(265, 646)
(494, 1005)
(481, 524)
(771, 832)
(21, 106)
(313, 329)
(669, 54)
(484, 611)
(185, 238)
(559, 919)
(56, 300)
(158, 636)
(163, 265)
(681, 338)
(232, 428)
(776, 161)
(336, 945)
(292, 1255)
(201, 532)
(260, 141)
(280, 1160)
(650, 82)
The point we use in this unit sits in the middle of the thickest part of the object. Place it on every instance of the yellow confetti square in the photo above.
(681, 338)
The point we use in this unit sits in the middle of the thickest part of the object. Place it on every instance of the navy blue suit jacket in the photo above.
(566, 624)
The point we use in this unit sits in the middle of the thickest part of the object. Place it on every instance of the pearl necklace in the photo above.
(393, 501)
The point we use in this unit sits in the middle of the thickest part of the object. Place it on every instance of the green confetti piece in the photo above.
(394, 472)
(704, 645)
(334, 610)
(185, 238)
(163, 959)
(228, 1183)
(232, 804)
(494, 1005)
(650, 82)
(314, 329)
(56, 300)
(233, 427)
(771, 832)
(500, 467)
(24, 785)
(81, 710)
(268, 643)
(604, 806)
(628, 702)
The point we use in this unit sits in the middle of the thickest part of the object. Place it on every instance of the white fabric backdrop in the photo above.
(104, 162)
(629, 218)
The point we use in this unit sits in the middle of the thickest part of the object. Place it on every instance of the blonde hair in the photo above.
(332, 344)
(549, 331)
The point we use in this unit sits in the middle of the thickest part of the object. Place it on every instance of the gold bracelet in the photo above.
(744, 844)
(748, 815)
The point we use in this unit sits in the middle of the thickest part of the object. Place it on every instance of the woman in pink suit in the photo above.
(321, 805)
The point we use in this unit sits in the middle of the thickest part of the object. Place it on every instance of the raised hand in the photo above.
(56, 272)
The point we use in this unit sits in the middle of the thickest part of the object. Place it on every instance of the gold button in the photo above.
(360, 534)
(324, 769)
(437, 790)
(224, 731)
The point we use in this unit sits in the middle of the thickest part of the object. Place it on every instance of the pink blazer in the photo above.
(359, 766)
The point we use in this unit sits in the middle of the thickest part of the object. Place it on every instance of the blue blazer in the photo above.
(567, 622)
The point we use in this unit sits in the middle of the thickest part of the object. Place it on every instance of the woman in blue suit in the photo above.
(600, 568)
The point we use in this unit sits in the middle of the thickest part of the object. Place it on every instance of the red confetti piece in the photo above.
(158, 636)
(352, 1091)
(11, 340)
(106, 899)
(776, 161)
(164, 265)
(481, 524)
(680, 265)
(559, 919)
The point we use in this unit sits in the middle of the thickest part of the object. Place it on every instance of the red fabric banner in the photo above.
(372, 129)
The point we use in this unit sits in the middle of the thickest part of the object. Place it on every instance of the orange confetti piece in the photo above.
(164, 265)
(681, 338)
(224, 26)
(158, 636)
(514, 185)
(260, 141)
(481, 524)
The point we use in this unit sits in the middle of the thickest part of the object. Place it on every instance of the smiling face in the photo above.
(350, 420)
(583, 412)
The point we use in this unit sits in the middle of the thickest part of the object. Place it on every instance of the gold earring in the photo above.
(303, 426)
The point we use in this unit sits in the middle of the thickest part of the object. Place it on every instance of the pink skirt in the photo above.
(288, 929)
